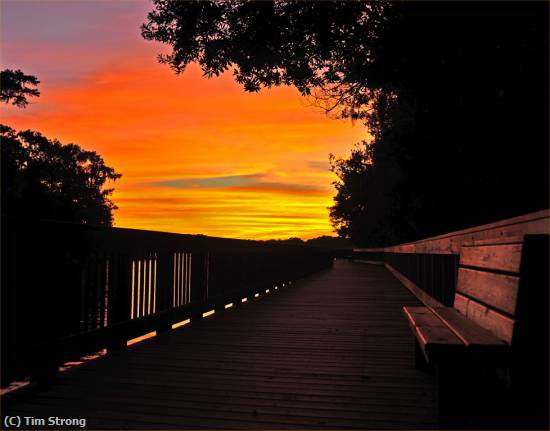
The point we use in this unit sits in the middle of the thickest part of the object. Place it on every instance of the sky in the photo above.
(197, 155)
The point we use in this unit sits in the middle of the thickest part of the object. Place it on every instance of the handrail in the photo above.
(428, 267)
(69, 290)
(450, 243)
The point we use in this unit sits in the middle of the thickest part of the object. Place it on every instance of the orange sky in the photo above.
(197, 155)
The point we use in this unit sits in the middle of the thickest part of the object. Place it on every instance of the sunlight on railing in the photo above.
(180, 324)
(141, 338)
(133, 284)
(138, 287)
(155, 285)
(208, 313)
(181, 279)
(143, 286)
(149, 290)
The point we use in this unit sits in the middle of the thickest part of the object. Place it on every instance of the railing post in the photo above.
(119, 297)
(164, 291)
(200, 279)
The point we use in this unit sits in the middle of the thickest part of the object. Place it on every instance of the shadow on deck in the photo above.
(330, 351)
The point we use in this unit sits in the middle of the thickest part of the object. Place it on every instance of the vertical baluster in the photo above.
(149, 289)
(106, 293)
(155, 284)
(98, 289)
(101, 289)
(186, 278)
(82, 272)
(133, 284)
(178, 285)
(144, 288)
(183, 277)
(120, 294)
(180, 289)
(72, 280)
(174, 278)
(188, 297)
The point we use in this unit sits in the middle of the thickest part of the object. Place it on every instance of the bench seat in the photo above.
(490, 349)
(443, 334)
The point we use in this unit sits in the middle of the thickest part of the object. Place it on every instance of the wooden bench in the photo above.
(495, 309)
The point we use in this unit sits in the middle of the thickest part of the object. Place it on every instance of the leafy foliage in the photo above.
(463, 138)
(455, 96)
(44, 179)
(322, 47)
(15, 87)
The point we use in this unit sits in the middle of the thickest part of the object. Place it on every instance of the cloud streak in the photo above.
(240, 182)
(197, 155)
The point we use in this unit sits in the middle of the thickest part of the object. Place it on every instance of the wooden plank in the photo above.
(496, 241)
(331, 351)
(451, 243)
(438, 343)
(422, 316)
(503, 257)
(495, 290)
(499, 324)
(370, 262)
(436, 337)
(469, 333)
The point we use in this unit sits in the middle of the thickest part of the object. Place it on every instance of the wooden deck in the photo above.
(330, 351)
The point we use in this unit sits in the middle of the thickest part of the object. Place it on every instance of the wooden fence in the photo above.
(428, 267)
(69, 290)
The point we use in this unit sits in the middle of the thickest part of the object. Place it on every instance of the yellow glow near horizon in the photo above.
(197, 155)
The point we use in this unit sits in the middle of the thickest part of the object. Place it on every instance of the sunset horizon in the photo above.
(277, 214)
(197, 155)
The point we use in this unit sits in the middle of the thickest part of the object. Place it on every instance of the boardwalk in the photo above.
(330, 351)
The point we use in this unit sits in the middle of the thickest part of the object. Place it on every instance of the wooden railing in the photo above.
(428, 267)
(69, 290)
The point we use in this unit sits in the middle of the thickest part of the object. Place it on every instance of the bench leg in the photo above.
(453, 396)
(420, 362)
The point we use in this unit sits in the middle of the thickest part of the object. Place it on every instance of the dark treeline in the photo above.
(466, 140)
(321, 241)
(43, 179)
(455, 95)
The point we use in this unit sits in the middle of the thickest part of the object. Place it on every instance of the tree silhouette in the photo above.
(464, 141)
(322, 48)
(455, 96)
(15, 87)
(44, 179)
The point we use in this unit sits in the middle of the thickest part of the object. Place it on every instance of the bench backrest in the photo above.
(492, 278)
